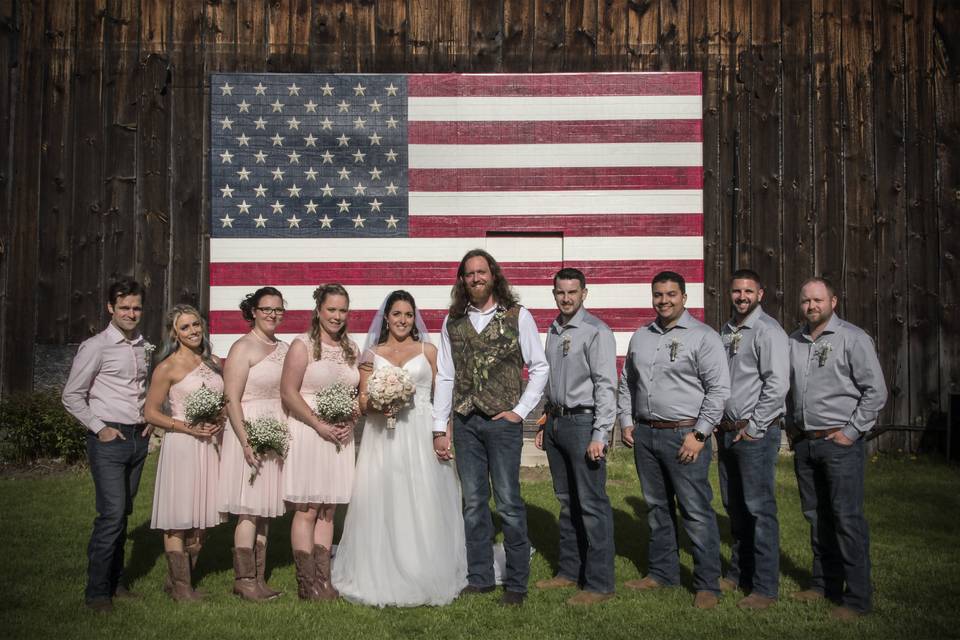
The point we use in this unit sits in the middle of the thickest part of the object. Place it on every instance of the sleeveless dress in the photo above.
(403, 538)
(314, 472)
(185, 493)
(261, 397)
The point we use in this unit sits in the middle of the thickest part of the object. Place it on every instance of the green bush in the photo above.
(35, 425)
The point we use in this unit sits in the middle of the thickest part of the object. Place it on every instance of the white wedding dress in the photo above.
(403, 538)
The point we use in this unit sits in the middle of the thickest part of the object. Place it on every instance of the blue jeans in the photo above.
(666, 485)
(116, 467)
(489, 450)
(748, 471)
(830, 479)
(586, 518)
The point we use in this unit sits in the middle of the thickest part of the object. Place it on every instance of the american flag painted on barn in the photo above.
(382, 182)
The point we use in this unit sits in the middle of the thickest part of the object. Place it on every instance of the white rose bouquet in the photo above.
(336, 404)
(390, 388)
(266, 434)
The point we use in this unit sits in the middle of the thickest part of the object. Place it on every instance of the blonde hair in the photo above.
(171, 343)
(343, 339)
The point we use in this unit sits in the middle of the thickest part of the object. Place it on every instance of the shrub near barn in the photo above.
(35, 425)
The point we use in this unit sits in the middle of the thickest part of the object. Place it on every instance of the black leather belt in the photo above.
(558, 410)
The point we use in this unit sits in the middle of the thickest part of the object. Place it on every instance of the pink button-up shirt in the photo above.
(108, 380)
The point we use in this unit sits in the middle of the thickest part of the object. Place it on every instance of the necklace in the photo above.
(264, 340)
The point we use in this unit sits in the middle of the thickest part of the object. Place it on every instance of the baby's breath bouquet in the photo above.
(204, 405)
(336, 404)
(390, 388)
(266, 434)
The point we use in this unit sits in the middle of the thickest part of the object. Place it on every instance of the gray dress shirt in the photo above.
(759, 358)
(678, 374)
(836, 380)
(582, 355)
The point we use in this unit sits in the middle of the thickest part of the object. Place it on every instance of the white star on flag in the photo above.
(244, 106)
(293, 90)
(359, 190)
(294, 191)
(243, 140)
(278, 140)
(226, 89)
(277, 106)
(277, 207)
(244, 207)
(293, 123)
(391, 222)
(260, 89)
(391, 90)
(260, 123)
(375, 205)
(344, 206)
(311, 174)
(226, 123)
(310, 140)
(227, 221)
(244, 174)
(375, 174)
(325, 222)
(358, 221)
(312, 207)
(261, 191)
(261, 157)
(226, 158)
(311, 106)
(294, 221)
(277, 174)
(327, 89)
(359, 90)
(261, 221)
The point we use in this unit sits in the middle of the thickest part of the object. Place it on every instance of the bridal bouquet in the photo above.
(204, 405)
(336, 404)
(264, 435)
(390, 388)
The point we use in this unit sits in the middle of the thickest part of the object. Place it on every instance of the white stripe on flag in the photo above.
(492, 156)
(492, 109)
(519, 203)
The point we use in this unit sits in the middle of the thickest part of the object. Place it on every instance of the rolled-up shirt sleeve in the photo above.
(602, 355)
(536, 360)
(868, 377)
(443, 386)
(774, 366)
(76, 391)
(715, 377)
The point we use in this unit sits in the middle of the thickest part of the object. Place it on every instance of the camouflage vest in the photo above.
(487, 365)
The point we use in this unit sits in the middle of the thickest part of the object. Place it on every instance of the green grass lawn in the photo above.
(910, 506)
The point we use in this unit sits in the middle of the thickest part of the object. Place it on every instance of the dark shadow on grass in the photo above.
(544, 533)
(640, 508)
(146, 548)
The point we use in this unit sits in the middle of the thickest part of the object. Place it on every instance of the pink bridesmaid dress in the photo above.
(185, 494)
(314, 472)
(261, 397)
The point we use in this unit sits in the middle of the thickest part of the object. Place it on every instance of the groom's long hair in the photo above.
(502, 292)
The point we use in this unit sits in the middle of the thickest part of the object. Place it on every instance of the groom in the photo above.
(486, 340)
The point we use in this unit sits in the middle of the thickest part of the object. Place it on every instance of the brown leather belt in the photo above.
(667, 424)
(738, 425)
(813, 434)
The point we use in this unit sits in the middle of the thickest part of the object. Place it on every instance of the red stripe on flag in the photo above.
(555, 132)
(561, 84)
(594, 225)
(280, 274)
(298, 321)
(556, 179)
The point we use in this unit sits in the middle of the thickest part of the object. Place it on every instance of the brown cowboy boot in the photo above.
(178, 564)
(192, 544)
(321, 557)
(245, 575)
(306, 575)
(260, 551)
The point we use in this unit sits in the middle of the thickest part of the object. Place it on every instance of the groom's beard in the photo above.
(480, 294)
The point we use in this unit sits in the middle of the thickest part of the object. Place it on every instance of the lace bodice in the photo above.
(263, 380)
(330, 369)
(199, 377)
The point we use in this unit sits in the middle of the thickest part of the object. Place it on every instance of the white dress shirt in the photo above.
(530, 348)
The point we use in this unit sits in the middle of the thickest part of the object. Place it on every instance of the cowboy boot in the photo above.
(178, 565)
(245, 575)
(306, 575)
(192, 546)
(260, 551)
(321, 557)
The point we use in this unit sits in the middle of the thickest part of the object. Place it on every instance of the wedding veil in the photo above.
(373, 333)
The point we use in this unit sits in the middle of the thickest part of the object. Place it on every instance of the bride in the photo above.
(403, 540)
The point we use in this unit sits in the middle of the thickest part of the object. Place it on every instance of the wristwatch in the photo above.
(438, 434)
(699, 436)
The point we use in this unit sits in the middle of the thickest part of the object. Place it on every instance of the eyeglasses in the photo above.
(271, 311)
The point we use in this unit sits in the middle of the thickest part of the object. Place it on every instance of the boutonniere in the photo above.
(823, 352)
(675, 346)
(498, 316)
(148, 349)
(735, 340)
(565, 344)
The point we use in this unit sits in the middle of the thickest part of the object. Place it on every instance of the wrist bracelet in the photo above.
(439, 434)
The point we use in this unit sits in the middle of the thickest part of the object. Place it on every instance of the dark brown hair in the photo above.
(252, 301)
(397, 296)
(319, 295)
(502, 292)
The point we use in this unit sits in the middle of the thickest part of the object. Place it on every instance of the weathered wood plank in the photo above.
(390, 55)
(486, 36)
(548, 39)
(188, 122)
(797, 250)
(87, 292)
(20, 301)
(423, 32)
(453, 36)
(612, 35)
(858, 284)
(519, 35)
(7, 49)
(56, 175)
(153, 190)
(889, 80)
(252, 49)
(643, 35)
(947, 85)
(922, 230)
(220, 36)
(829, 214)
(580, 35)
(120, 140)
(765, 183)
(154, 27)
(674, 38)
(288, 35)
